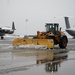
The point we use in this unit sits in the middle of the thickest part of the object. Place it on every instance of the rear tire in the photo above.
(63, 42)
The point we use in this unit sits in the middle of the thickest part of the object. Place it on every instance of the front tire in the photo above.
(63, 42)
(2, 37)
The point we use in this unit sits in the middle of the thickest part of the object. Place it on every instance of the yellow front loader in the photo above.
(52, 36)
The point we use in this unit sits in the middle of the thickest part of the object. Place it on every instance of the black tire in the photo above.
(63, 42)
(2, 37)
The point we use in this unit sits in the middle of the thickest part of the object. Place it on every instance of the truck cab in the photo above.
(52, 27)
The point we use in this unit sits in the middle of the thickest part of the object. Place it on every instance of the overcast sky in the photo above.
(37, 13)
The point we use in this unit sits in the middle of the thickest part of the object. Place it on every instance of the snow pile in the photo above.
(32, 46)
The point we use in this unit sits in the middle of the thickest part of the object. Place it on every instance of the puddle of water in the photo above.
(17, 63)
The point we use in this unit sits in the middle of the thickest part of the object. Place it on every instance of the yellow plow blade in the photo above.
(42, 42)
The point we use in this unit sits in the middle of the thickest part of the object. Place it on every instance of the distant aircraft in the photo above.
(70, 30)
(6, 30)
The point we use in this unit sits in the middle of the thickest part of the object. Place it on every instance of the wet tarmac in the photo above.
(15, 61)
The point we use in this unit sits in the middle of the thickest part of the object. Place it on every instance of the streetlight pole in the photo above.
(26, 26)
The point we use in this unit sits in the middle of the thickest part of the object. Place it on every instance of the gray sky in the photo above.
(38, 12)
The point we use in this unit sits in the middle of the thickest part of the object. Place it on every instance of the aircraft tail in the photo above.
(13, 26)
(67, 22)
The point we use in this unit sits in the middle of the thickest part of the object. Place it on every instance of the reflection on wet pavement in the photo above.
(54, 65)
(38, 54)
(22, 60)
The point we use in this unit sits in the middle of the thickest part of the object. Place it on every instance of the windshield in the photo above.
(51, 27)
(47, 28)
